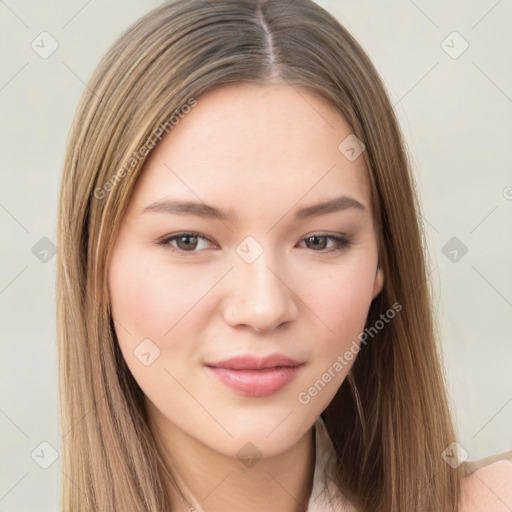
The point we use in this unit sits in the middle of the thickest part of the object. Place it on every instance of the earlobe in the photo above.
(378, 282)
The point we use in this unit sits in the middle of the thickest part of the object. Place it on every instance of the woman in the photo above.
(244, 315)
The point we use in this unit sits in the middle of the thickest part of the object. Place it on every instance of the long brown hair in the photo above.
(388, 449)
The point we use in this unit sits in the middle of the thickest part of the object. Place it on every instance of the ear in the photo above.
(378, 283)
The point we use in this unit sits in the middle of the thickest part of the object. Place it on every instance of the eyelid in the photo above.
(165, 241)
(343, 240)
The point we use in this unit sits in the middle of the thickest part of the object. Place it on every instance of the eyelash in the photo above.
(343, 242)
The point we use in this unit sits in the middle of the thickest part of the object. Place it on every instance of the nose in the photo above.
(259, 297)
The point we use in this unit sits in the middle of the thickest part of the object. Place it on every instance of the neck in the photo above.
(213, 482)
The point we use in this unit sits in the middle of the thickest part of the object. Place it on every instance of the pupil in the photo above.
(187, 238)
(316, 238)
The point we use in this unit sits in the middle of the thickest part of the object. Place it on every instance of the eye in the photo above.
(185, 242)
(189, 243)
(320, 241)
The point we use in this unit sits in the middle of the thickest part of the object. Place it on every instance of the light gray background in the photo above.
(455, 114)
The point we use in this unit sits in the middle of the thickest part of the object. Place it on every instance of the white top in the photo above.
(324, 489)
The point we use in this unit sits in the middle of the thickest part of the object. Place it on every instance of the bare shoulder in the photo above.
(489, 487)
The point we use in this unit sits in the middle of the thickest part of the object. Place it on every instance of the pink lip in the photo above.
(256, 376)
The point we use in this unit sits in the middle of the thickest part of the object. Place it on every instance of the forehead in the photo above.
(246, 146)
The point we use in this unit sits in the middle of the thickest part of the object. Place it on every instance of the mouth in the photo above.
(255, 376)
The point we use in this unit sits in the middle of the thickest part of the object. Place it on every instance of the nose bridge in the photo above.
(258, 296)
(261, 276)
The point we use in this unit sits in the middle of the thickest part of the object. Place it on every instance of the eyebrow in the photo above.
(204, 210)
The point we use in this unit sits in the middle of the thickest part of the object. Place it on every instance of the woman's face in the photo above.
(255, 277)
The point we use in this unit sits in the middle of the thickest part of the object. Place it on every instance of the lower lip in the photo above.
(256, 383)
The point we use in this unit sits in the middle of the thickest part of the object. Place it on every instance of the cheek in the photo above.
(341, 299)
(152, 306)
(170, 305)
(150, 298)
(137, 299)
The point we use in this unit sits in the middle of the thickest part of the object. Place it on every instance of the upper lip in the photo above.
(249, 362)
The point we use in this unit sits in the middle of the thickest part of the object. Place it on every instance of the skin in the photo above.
(264, 152)
(489, 488)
